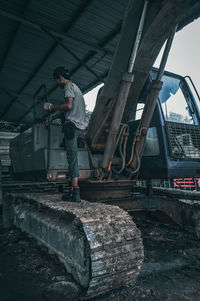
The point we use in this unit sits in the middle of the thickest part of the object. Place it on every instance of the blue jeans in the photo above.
(72, 154)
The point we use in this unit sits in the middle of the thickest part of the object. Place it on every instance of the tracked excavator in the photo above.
(145, 125)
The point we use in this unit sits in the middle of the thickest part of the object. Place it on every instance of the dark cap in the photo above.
(61, 71)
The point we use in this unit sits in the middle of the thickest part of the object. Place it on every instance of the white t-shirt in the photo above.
(77, 113)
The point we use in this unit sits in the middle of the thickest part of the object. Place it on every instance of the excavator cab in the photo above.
(172, 147)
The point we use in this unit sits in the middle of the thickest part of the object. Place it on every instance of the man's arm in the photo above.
(67, 106)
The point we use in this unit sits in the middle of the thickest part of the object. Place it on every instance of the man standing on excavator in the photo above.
(73, 113)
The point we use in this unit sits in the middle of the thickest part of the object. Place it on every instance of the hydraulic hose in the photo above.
(123, 135)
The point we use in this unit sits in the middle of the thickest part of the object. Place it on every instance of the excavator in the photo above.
(145, 125)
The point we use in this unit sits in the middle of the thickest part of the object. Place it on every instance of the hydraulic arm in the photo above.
(134, 57)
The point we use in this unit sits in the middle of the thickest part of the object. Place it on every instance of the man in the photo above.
(73, 111)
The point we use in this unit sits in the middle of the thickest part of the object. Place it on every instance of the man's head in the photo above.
(61, 75)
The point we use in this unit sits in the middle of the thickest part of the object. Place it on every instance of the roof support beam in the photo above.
(55, 87)
(95, 83)
(61, 35)
(109, 38)
(7, 52)
(74, 55)
(43, 28)
(21, 103)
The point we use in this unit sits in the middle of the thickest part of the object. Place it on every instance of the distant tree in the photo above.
(88, 115)
(178, 118)
(8, 126)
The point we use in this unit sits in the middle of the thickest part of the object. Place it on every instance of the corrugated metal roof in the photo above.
(89, 28)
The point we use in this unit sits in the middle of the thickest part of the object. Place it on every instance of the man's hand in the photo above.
(48, 106)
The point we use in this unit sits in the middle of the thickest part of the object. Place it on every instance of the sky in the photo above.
(184, 58)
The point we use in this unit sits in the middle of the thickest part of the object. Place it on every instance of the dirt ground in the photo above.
(171, 270)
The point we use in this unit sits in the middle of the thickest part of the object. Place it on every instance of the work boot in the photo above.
(67, 197)
(76, 195)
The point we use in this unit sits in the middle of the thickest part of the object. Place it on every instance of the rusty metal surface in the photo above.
(184, 214)
(143, 127)
(181, 207)
(13, 186)
(100, 190)
(115, 246)
(177, 193)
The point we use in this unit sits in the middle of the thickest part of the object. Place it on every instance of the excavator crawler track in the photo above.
(99, 244)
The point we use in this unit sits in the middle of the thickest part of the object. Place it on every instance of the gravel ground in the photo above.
(171, 270)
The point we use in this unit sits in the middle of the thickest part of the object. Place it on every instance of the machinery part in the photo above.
(166, 207)
(122, 137)
(178, 193)
(102, 190)
(145, 122)
(10, 186)
(43, 157)
(138, 37)
(150, 105)
(99, 244)
(99, 173)
(125, 85)
(126, 82)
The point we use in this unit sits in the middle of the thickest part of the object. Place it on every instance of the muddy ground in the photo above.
(171, 270)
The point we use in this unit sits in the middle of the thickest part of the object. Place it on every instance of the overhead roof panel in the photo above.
(15, 6)
(54, 14)
(28, 54)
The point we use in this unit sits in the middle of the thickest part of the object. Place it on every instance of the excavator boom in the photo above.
(161, 18)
